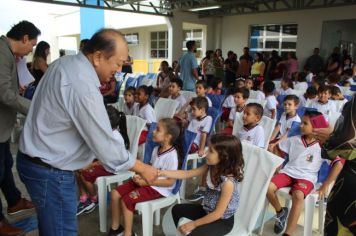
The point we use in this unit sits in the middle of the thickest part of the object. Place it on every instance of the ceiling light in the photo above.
(205, 8)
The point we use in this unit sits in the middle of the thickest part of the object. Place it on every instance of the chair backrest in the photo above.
(259, 101)
(280, 100)
(187, 143)
(149, 144)
(333, 117)
(135, 126)
(260, 166)
(140, 79)
(188, 95)
(253, 94)
(277, 83)
(294, 129)
(165, 108)
(130, 81)
(216, 100)
(215, 115)
(268, 125)
(238, 123)
(339, 104)
(298, 92)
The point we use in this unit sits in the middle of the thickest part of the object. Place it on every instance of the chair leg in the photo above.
(182, 189)
(264, 211)
(157, 215)
(102, 204)
(309, 205)
(147, 221)
(321, 216)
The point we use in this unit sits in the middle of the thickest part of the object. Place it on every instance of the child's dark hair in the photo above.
(292, 97)
(244, 91)
(200, 103)
(231, 161)
(323, 88)
(301, 77)
(334, 90)
(258, 108)
(146, 89)
(289, 82)
(311, 91)
(311, 113)
(174, 128)
(118, 120)
(334, 78)
(178, 82)
(130, 89)
(268, 87)
(202, 83)
(214, 84)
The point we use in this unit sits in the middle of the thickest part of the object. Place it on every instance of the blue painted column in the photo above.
(91, 20)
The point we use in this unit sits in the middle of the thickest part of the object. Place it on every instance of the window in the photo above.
(282, 38)
(159, 44)
(197, 36)
(132, 39)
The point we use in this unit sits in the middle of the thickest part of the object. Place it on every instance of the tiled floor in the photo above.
(89, 223)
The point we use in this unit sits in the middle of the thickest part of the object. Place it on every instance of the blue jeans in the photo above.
(7, 183)
(53, 193)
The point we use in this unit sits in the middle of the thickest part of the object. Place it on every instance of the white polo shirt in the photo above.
(301, 86)
(200, 126)
(325, 108)
(128, 110)
(260, 95)
(167, 160)
(146, 112)
(270, 105)
(233, 111)
(180, 100)
(229, 102)
(209, 101)
(281, 91)
(255, 136)
(286, 123)
(304, 159)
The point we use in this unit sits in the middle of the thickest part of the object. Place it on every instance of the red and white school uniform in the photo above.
(255, 135)
(147, 113)
(270, 106)
(200, 126)
(286, 123)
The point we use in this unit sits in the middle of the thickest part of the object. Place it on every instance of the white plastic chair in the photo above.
(277, 84)
(339, 104)
(135, 126)
(253, 94)
(267, 123)
(260, 166)
(165, 108)
(259, 101)
(333, 117)
(188, 95)
(119, 104)
(298, 92)
(309, 206)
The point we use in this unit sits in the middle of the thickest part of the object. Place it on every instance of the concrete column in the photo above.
(175, 38)
(217, 32)
(91, 20)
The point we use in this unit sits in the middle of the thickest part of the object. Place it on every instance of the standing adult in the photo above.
(258, 67)
(218, 62)
(291, 64)
(245, 64)
(314, 63)
(19, 42)
(39, 61)
(208, 68)
(68, 127)
(340, 218)
(333, 63)
(231, 66)
(188, 67)
(127, 66)
(273, 71)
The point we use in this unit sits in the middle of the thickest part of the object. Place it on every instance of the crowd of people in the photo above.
(72, 135)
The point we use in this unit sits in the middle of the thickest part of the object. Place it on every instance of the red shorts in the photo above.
(194, 148)
(92, 173)
(227, 130)
(282, 180)
(225, 114)
(131, 194)
(143, 137)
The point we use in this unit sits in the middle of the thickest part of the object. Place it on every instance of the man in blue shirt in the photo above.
(188, 67)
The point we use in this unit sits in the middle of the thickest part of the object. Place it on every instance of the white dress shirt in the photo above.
(67, 125)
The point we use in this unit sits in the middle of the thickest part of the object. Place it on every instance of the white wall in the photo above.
(235, 29)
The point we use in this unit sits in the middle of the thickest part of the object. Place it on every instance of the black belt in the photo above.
(39, 162)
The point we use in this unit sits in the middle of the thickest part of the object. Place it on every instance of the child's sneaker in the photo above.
(281, 219)
(83, 206)
(91, 207)
(116, 232)
(132, 234)
(198, 194)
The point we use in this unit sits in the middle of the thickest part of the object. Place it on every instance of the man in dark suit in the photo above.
(18, 42)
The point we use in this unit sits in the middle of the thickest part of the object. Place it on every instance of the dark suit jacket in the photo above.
(10, 100)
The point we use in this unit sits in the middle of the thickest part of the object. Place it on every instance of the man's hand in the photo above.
(139, 181)
(147, 172)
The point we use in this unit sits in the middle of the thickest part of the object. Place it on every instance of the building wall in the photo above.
(235, 29)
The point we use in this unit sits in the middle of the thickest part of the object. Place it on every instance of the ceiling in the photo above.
(222, 7)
